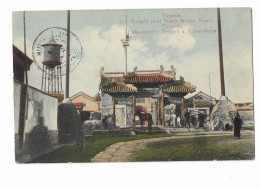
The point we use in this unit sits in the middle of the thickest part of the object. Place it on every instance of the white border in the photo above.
(224, 174)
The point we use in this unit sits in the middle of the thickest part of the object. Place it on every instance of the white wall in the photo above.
(39, 105)
(17, 92)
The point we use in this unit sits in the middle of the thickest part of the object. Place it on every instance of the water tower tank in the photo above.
(51, 53)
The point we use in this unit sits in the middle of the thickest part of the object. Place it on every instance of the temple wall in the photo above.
(40, 131)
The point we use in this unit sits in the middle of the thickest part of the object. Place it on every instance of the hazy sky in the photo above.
(194, 55)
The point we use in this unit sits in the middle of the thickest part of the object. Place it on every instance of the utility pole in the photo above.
(222, 79)
(210, 95)
(24, 36)
(24, 32)
(68, 56)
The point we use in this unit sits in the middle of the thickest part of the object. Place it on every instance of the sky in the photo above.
(195, 55)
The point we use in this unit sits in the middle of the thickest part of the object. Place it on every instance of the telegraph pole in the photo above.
(24, 36)
(68, 56)
(210, 95)
(24, 32)
(222, 79)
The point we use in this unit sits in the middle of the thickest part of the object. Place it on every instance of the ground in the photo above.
(197, 149)
(183, 146)
(93, 145)
(178, 146)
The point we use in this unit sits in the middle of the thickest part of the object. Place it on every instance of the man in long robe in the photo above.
(237, 125)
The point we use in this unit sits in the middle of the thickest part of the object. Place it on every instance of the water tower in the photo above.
(51, 79)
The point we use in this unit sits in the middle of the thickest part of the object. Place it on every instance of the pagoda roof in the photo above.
(118, 87)
(120, 83)
(147, 76)
(179, 86)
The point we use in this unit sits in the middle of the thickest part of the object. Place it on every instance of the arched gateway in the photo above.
(157, 88)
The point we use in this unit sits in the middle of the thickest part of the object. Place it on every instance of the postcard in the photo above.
(133, 85)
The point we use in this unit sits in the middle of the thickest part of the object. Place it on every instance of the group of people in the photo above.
(186, 121)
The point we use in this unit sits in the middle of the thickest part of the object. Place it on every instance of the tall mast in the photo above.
(125, 25)
(24, 37)
(24, 32)
(222, 79)
(125, 43)
(126, 46)
(210, 94)
(68, 55)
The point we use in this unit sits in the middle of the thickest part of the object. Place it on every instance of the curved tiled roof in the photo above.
(118, 87)
(179, 87)
(118, 82)
(156, 76)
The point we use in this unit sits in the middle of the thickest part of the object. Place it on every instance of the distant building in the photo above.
(200, 102)
(246, 111)
(87, 104)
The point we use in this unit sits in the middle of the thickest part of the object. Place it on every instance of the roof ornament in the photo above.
(52, 40)
(103, 78)
(135, 69)
(173, 71)
(172, 68)
(161, 67)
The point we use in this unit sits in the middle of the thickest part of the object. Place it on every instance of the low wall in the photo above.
(35, 121)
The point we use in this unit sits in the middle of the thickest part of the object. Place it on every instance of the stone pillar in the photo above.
(133, 111)
(162, 108)
(114, 111)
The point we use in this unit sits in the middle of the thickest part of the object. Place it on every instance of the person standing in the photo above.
(80, 139)
(110, 123)
(187, 117)
(237, 125)
(173, 120)
(169, 119)
(104, 121)
(178, 121)
(193, 120)
(201, 119)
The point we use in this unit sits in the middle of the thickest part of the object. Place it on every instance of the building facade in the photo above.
(200, 103)
(88, 102)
